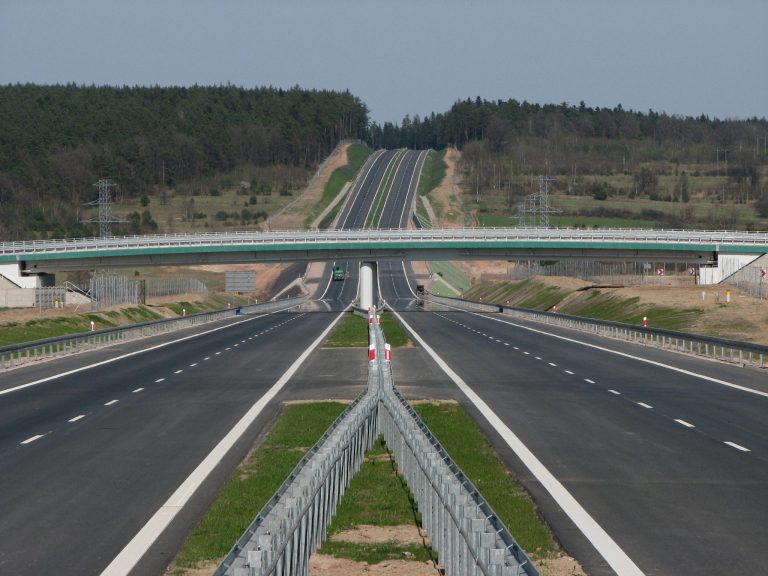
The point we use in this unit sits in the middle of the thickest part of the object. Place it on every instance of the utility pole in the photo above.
(104, 202)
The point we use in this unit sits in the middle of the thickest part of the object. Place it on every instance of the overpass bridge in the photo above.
(693, 247)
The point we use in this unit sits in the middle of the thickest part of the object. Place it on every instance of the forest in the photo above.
(627, 163)
(57, 141)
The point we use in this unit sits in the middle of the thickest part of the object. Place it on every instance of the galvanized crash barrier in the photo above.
(721, 349)
(465, 532)
(16, 355)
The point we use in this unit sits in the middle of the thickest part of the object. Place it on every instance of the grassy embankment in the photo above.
(38, 328)
(432, 174)
(594, 303)
(357, 154)
(451, 280)
(377, 206)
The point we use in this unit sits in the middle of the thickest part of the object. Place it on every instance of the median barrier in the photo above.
(465, 532)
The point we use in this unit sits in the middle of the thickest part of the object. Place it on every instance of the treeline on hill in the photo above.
(57, 141)
(599, 152)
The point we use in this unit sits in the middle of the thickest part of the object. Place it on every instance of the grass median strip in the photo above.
(254, 482)
(352, 332)
(469, 448)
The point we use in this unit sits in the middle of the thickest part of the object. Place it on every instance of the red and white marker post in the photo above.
(387, 353)
(371, 352)
(645, 321)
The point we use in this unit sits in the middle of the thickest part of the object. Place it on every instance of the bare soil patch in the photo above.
(293, 216)
(322, 565)
(446, 198)
(560, 566)
(403, 535)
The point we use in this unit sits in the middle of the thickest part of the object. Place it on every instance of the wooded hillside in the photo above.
(57, 141)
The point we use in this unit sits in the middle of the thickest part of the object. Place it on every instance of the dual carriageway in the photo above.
(665, 461)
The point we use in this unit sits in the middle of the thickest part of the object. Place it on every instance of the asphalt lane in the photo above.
(76, 494)
(678, 500)
(356, 210)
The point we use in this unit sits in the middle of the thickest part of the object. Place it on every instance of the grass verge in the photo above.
(356, 157)
(433, 172)
(352, 332)
(377, 496)
(254, 482)
(469, 448)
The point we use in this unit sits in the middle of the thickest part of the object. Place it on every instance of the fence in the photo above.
(750, 278)
(466, 534)
(607, 272)
(19, 354)
(734, 351)
(112, 290)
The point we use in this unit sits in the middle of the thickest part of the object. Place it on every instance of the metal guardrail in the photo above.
(15, 355)
(479, 235)
(465, 532)
(733, 351)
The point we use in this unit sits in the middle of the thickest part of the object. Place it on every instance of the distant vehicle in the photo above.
(339, 272)
(420, 288)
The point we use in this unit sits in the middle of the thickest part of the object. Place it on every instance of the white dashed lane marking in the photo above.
(614, 392)
(644, 405)
(552, 364)
(178, 371)
(588, 380)
(32, 439)
(76, 418)
(737, 446)
(159, 380)
(138, 390)
(207, 358)
(193, 365)
(568, 372)
(684, 423)
(111, 402)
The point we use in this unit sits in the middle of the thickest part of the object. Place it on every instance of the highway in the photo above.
(96, 446)
(666, 459)
(663, 457)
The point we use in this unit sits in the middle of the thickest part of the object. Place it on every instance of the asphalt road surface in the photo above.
(670, 464)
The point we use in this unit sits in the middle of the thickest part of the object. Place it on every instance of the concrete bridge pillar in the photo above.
(367, 276)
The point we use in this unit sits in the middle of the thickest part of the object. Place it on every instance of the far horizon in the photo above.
(405, 58)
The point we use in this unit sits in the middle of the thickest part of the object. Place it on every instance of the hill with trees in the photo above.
(57, 141)
(610, 165)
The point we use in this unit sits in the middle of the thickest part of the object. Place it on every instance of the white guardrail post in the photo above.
(466, 534)
(16, 355)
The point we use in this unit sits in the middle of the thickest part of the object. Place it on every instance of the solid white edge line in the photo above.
(684, 423)
(737, 446)
(626, 355)
(138, 546)
(142, 351)
(600, 539)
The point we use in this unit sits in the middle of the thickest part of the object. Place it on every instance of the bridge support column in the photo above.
(367, 276)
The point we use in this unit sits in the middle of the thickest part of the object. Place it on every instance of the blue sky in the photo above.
(409, 57)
